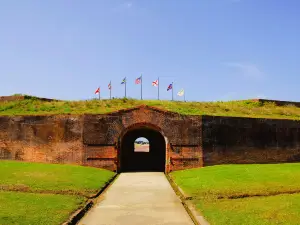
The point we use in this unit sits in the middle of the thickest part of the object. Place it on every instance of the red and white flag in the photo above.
(155, 83)
(138, 80)
(109, 86)
(97, 91)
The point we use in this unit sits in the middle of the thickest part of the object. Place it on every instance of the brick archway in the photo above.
(154, 160)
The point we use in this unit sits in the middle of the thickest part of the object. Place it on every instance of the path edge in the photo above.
(81, 212)
(197, 218)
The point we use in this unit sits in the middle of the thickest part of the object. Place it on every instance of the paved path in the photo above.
(138, 199)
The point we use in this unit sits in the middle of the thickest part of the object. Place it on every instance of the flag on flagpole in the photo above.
(124, 82)
(97, 91)
(181, 92)
(138, 80)
(109, 87)
(155, 83)
(170, 87)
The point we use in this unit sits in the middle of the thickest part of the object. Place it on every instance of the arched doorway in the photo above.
(134, 157)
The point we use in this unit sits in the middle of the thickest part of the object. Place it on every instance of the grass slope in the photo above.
(218, 192)
(28, 208)
(36, 193)
(52, 177)
(234, 108)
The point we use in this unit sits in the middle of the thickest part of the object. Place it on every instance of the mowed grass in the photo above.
(279, 209)
(244, 194)
(36, 193)
(31, 208)
(247, 108)
(52, 177)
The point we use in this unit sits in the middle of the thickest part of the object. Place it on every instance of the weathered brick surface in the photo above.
(182, 131)
(53, 139)
(94, 140)
(101, 156)
(249, 140)
(191, 141)
(106, 129)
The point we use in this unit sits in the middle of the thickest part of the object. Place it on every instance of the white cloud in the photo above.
(246, 69)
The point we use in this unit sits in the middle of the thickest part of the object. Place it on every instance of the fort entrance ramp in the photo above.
(145, 198)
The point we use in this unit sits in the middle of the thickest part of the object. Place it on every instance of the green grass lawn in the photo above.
(245, 108)
(36, 193)
(217, 190)
(52, 177)
(32, 208)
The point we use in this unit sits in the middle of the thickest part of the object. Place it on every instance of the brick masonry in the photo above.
(191, 141)
(249, 140)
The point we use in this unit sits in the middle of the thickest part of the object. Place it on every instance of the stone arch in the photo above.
(154, 160)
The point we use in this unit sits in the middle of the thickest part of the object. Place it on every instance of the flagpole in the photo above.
(125, 86)
(172, 91)
(158, 89)
(99, 93)
(110, 90)
(141, 87)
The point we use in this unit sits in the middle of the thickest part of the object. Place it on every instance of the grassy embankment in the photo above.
(246, 108)
(244, 194)
(36, 193)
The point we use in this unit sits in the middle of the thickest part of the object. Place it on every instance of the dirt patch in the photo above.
(257, 195)
(24, 188)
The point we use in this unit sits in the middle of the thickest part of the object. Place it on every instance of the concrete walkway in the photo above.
(138, 199)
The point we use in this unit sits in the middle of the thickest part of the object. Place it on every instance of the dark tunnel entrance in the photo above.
(135, 159)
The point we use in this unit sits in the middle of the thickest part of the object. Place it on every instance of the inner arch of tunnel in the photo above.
(154, 160)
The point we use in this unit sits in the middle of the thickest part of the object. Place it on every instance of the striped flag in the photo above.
(109, 86)
(138, 80)
(97, 91)
(170, 87)
(155, 83)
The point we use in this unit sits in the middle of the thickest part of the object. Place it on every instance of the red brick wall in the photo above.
(249, 140)
(101, 156)
(53, 139)
(192, 141)
(94, 140)
(182, 131)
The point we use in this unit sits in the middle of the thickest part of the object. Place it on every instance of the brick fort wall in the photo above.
(192, 141)
(249, 140)
(51, 139)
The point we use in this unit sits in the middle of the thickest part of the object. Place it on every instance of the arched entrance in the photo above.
(133, 158)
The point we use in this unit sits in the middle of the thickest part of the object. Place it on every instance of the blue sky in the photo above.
(214, 49)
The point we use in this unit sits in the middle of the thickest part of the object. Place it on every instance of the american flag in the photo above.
(138, 80)
(155, 83)
(170, 87)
